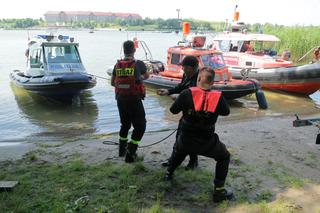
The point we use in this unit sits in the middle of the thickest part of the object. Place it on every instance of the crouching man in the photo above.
(200, 108)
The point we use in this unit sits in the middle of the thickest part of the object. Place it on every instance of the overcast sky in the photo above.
(287, 12)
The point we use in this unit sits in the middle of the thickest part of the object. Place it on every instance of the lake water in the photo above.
(32, 118)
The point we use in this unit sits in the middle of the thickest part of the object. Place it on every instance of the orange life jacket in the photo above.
(125, 81)
(205, 100)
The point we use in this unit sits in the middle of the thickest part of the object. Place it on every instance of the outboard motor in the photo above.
(154, 66)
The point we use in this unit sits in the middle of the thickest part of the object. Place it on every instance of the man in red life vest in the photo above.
(127, 78)
(190, 66)
(200, 109)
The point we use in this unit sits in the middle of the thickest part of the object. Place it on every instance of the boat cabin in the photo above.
(239, 42)
(249, 50)
(49, 54)
(206, 57)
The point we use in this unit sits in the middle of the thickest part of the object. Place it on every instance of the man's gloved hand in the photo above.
(162, 92)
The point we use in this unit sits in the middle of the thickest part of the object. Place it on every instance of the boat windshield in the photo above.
(258, 47)
(214, 60)
(62, 54)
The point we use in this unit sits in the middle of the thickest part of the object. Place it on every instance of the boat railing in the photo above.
(146, 50)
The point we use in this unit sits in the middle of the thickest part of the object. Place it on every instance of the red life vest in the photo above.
(205, 100)
(125, 81)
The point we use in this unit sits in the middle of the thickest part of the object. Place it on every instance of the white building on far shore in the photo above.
(78, 16)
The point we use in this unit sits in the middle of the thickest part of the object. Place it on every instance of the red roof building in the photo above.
(77, 16)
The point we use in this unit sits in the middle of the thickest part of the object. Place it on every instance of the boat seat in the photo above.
(234, 49)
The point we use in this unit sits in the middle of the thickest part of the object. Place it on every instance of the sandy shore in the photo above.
(268, 138)
(269, 148)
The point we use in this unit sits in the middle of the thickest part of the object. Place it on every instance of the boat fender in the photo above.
(261, 99)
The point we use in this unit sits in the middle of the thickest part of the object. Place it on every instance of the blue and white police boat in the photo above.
(54, 68)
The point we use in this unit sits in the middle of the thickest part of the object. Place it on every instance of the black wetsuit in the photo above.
(197, 135)
(185, 84)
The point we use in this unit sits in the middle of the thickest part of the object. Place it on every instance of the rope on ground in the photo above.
(159, 140)
(109, 142)
(97, 76)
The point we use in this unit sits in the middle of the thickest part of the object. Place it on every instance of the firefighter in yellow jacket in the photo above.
(127, 78)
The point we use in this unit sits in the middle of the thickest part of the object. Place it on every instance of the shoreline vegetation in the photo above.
(298, 39)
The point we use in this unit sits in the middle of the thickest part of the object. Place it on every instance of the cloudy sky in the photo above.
(288, 12)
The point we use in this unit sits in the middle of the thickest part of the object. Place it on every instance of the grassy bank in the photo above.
(299, 40)
(116, 187)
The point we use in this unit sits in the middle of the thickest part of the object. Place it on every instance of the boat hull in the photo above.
(303, 79)
(230, 90)
(62, 86)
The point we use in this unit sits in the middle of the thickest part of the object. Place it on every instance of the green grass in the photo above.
(102, 188)
(117, 187)
(299, 40)
(284, 176)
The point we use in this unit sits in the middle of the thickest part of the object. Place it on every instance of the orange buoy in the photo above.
(186, 28)
(236, 16)
(136, 43)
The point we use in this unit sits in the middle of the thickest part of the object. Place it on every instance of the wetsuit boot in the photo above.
(220, 194)
(166, 163)
(193, 162)
(122, 147)
(168, 176)
(131, 153)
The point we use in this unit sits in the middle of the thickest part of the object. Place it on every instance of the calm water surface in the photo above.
(33, 118)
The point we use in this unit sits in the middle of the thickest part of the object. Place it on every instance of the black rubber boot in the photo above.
(222, 194)
(168, 176)
(131, 153)
(166, 163)
(122, 147)
(193, 163)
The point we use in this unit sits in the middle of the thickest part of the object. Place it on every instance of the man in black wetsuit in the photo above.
(190, 66)
(127, 78)
(200, 108)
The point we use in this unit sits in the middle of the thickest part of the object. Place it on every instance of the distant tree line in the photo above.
(157, 24)
(21, 23)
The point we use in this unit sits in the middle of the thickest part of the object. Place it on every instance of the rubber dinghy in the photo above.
(171, 75)
(304, 79)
